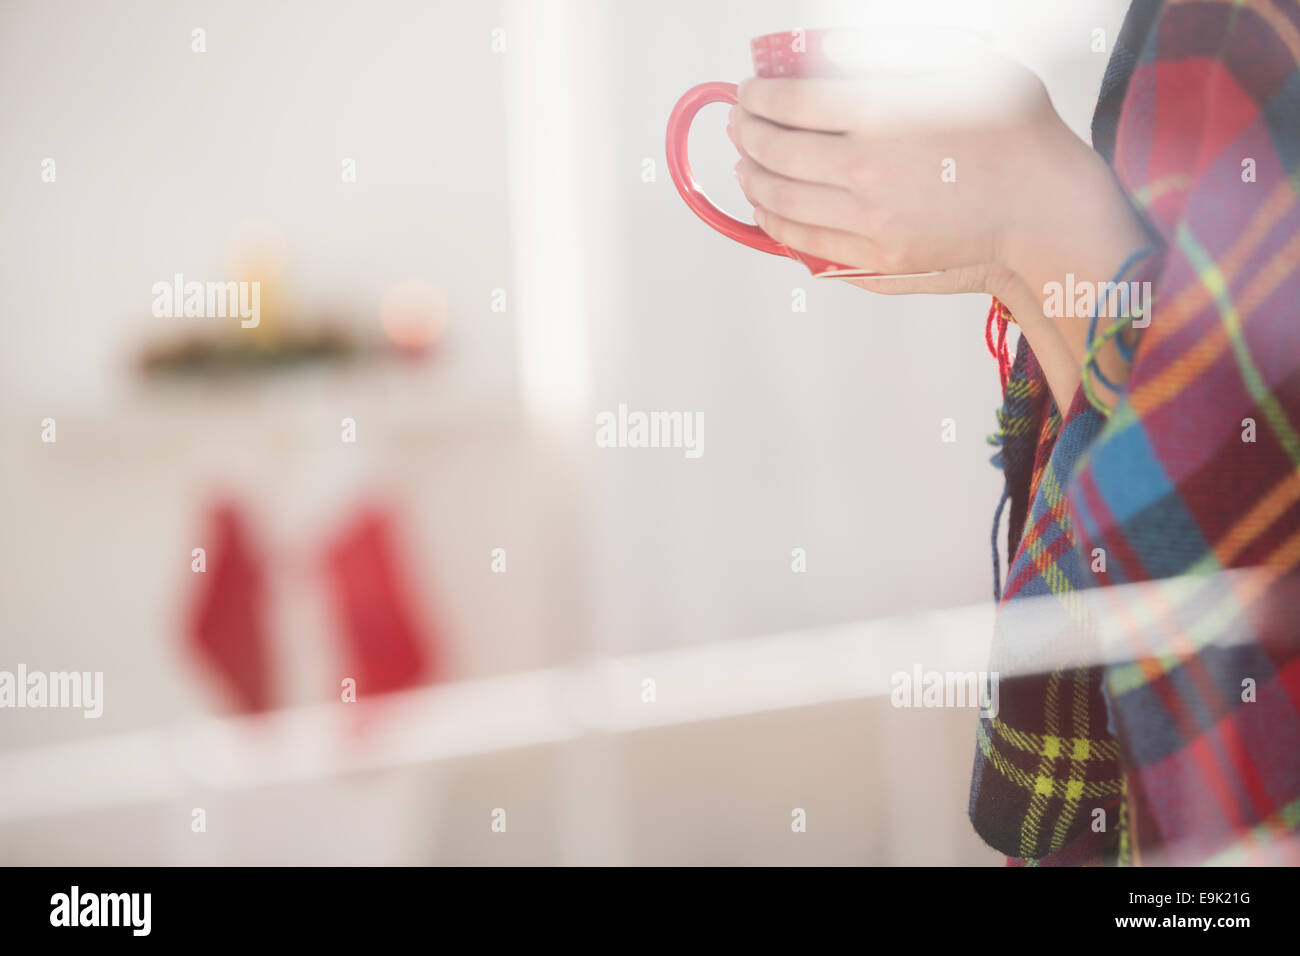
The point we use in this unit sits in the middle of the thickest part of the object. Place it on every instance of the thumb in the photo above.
(947, 282)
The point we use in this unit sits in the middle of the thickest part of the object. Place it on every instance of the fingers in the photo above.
(825, 105)
(948, 282)
(796, 154)
(813, 203)
(850, 249)
(834, 244)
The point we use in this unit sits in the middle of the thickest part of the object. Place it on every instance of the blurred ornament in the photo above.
(197, 354)
(413, 314)
(259, 256)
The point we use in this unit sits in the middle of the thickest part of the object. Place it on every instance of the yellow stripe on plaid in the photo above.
(1073, 794)
(1214, 280)
(1149, 194)
(1014, 424)
(1022, 388)
(1044, 564)
(1030, 783)
(1043, 786)
(1045, 745)
(1177, 311)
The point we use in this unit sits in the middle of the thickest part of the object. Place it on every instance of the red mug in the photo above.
(792, 53)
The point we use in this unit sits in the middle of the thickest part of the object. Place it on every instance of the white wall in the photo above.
(822, 428)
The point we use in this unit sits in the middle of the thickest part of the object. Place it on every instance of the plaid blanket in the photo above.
(1150, 704)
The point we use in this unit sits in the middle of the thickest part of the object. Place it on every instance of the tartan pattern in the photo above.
(1185, 769)
(1047, 762)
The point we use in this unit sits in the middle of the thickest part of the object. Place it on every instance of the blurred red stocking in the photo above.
(227, 627)
(385, 647)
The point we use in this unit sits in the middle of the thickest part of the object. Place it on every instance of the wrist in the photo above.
(1072, 239)
(1074, 220)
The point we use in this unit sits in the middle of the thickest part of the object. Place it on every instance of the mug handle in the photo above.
(679, 167)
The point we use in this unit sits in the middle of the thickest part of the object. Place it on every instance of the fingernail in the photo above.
(759, 216)
(735, 170)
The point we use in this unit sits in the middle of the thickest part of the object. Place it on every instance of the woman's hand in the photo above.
(897, 173)
(969, 173)
(988, 279)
